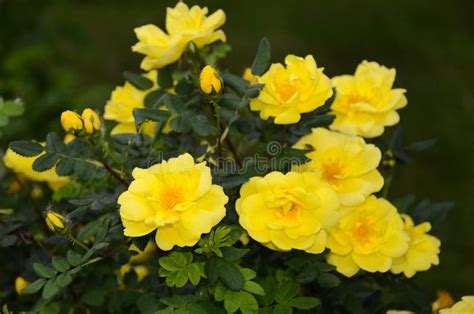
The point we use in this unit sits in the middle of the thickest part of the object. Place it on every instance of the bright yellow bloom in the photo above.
(20, 284)
(209, 80)
(24, 166)
(184, 25)
(289, 91)
(368, 237)
(142, 256)
(465, 306)
(176, 198)
(55, 221)
(288, 211)
(366, 102)
(91, 120)
(140, 270)
(347, 163)
(443, 301)
(71, 121)
(120, 107)
(69, 138)
(422, 252)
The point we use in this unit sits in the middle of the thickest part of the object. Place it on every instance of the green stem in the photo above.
(76, 241)
(388, 181)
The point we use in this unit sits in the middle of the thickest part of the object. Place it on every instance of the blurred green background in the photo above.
(62, 54)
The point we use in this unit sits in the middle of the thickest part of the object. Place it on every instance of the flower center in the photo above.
(331, 170)
(364, 233)
(287, 89)
(170, 197)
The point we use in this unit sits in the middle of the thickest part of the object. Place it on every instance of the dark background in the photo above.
(71, 53)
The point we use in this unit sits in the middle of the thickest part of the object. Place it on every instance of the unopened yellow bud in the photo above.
(210, 81)
(55, 221)
(91, 120)
(71, 121)
(444, 300)
(249, 76)
(20, 284)
(69, 138)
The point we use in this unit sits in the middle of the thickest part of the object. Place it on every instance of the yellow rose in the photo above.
(176, 198)
(347, 163)
(465, 306)
(288, 211)
(91, 120)
(120, 107)
(209, 80)
(368, 237)
(184, 25)
(24, 166)
(365, 102)
(289, 91)
(422, 252)
(20, 284)
(71, 121)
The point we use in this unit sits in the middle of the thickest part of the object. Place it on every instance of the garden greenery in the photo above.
(204, 191)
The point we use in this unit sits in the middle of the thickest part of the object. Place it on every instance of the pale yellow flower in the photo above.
(299, 87)
(184, 25)
(120, 107)
(176, 198)
(347, 163)
(288, 211)
(422, 252)
(366, 102)
(465, 306)
(368, 237)
(23, 166)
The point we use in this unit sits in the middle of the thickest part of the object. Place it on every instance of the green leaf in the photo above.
(34, 286)
(137, 80)
(142, 115)
(51, 288)
(231, 277)
(148, 304)
(64, 279)
(165, 78)
(421, 145)
(327, 280)
(235, 82)
(233, 254)
(282, 309)
(176, 260)
(54, 143)
(254, 288)
(60, 264)
(262, 59)
(152, 99)
(286, 291)
(73, 258)
(45, 162)
(65, 166)
(304, 303)
(26, 148)
(43, 270)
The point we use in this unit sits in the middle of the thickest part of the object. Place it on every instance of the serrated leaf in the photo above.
(34, 287)
(263, 57)
(45, 162)
(148, 304)
(54, 143)
(43, 270)
(142, 115)
(60, 264)
(138, 80)
(26, 148)
(65, 166)
(286, 291)
(304, 303)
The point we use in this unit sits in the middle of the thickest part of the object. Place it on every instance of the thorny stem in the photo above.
(76, 241)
